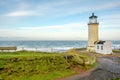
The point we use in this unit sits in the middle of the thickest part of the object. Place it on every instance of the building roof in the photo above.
(93, 16)
(100, 42)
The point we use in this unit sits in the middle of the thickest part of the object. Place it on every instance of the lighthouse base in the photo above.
(91, 48)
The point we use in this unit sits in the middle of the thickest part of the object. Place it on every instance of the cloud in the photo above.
(101, 6)
(64, 27)
(22, 13)
(110, 21)
(109, 34)
(69, 31)
(111, 16)
(76, 7)
(58, 8)
(66, 31)
(38, 34)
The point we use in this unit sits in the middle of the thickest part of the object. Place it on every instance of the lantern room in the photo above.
(93, 19)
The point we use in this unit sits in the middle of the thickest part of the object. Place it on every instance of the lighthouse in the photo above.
(92, 33)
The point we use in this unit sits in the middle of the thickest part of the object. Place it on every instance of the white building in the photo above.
(104, 47)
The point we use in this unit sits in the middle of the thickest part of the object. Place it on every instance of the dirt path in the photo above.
(109, 67)
(78, 76)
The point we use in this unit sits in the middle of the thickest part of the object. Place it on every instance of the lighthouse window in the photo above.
(101, 47)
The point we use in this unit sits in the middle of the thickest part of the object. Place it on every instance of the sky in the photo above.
(58, 19)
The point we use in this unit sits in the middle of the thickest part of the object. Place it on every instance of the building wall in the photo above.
(92, 36)
(107, 48)
(99, 50)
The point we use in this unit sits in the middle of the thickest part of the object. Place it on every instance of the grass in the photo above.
(116, 79)
(116, 51)
(25, 65)
(80, 48)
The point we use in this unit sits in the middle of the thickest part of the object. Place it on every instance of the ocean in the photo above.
(49, 45)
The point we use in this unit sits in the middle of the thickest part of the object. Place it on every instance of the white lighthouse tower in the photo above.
(92, 33)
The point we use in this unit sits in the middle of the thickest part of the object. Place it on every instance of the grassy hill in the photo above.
(25, 65)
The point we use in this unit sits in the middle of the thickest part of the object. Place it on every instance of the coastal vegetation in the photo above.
(80, 48)
(26, 65)
(116, 79)
(116, 51)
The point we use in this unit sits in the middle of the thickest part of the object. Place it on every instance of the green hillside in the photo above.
(25, 65)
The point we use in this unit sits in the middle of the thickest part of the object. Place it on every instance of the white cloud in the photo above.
(103, 6)
(111, 16)
(59, 8)
(37, 34)
(109, 34)
(109, 21)
(67, 9)
(64, 27)
(70, 31)
(66, 31)
(22, 13)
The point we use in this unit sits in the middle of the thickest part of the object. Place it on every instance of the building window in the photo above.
(101, 47)
(97, 47)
